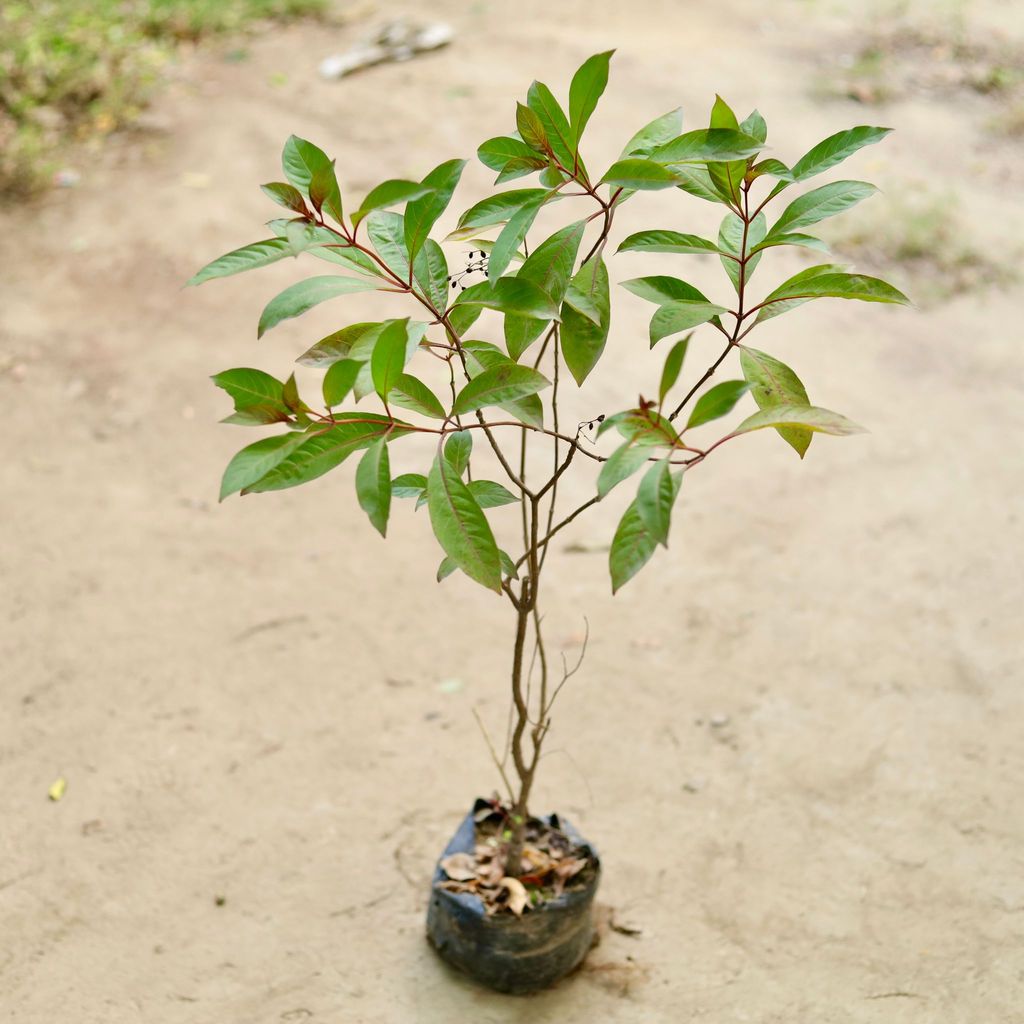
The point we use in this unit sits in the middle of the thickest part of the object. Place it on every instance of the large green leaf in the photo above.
(657, 133)
(430, 271)
(510, 295)
(390, 356)
(302, 163)
(661, 289)
(641, 173)
(491, 494)
(586, 89)
(731, 240)
(373, 485)
(809, 416)
(697, 182)
(507, 243)
(705, 145)
(339, 380)
(667, 241)
(717, 402)
(422, 214)
(248, 387)
(632, 547)
(802, 288)
(556, 126)
(773, 384)
(820, 203)
(337, 345)
(835, 149)
(550, 264)
(295, 300)
(389, 193)
(257, 460)
(480, 355)
(410, 392)
(387, 233)
(499, 208)
(655, 498)
(681, 315)
(248, 257)
(673, 365)
(322, 452)
(461, 527)
(498, 385)
(287, 196)
(582, 337)
(496, 153)
(457, 450)
(621, 464)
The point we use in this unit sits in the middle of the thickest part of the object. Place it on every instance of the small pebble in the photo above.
(718, 720)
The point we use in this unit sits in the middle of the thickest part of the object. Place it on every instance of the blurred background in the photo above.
(796, 736)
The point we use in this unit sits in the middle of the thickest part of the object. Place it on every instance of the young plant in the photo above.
(553, 300)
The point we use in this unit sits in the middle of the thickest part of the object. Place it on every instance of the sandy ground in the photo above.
(263, 702)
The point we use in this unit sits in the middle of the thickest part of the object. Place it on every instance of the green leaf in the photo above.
(481, 355)
(408, 485)
(389, 193)
(511, 237)
(530, 128)
(409, 392)
(495, 153)
(373, 485)
(640, 173)
(731, 240)
(667, 241)
(258, 416)
(722, 115)
(457, 450)
(697, 182)
(705, 145)
(717, 402)
(446, 568)
(622, 463)
(490, 494)
(632, 547)
(461, 526)
(290, 394)
(339, 379)
(773, 167)
(387, 233)
(835, 149)
(249, 257)
(302, 161)
(510, 295)
(811, 417)
(430, 271)
(588, 84)
(550, 264)
(255, 461)
(681, 315)
(582, 338)
(248, 387)
(497, 385)
(820, 203)
(519, 167)
(463, 317)
(325, 244)
(673, 365)
(422, 214)
(655, 498)
(337, 345)
(804, 287)
(642, 426)
(300, 297)
(499, 208)
(773, 384)
(389, 356)
(323, 451)
(805, 241)
(755, 126)
(657, 133)
(556, 126)
(287, 196)
(324, 193)
(661, 289)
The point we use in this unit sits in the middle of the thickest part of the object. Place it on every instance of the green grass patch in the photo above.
(71, 70)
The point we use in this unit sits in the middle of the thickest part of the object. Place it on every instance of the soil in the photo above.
(796, 739)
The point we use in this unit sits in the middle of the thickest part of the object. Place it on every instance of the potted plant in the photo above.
(512, 893)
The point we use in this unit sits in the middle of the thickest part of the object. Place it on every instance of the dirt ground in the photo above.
(797, 738)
